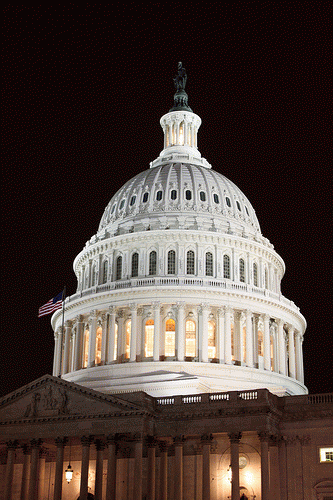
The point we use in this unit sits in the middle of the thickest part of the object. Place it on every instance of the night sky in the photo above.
(84, 87)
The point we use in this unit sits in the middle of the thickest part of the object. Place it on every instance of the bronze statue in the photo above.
(180, 79)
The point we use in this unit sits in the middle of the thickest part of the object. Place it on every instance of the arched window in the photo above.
(145, 198)
(159, 195)
(122, 203)
(149, 338)
(152, 263)
(202, 196)
(242, 270)
(228, 202)
(238, 205)
(232, 342)
(190, 339)
(209, 264)
(171, 262)
(128, 339)
(173, 194)
(98, 350)
(105, 271)
(190, 262)
(226, 267)
(216, 198)
(255, 274)
(119, 265)
(85, 347)
(188, 194)
(135, 265)
(132, 200)
(211, 340)
(170, 337)
(266, 278)
(260, 343)
(93, 276)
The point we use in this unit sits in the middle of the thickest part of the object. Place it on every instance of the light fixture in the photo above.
(229, 473)
(69, 471)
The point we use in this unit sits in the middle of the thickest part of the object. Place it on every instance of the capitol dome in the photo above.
(178, 291)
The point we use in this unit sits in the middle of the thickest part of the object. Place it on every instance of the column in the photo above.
(85, 441)
(92, 339)
(282, 347)
(112, 469)
(35, 447)
(78, 343)
(299, 361)
(264, 443)
(164, 470)
(255, 341)
(112, 333)
(151, 443)
(249, 339)
(60, 443)
(134, 309)
(138, 467)
(234, 461)
(180, 331)
(206, 443)
(221, 335)
(283, 468)
(139, 335)
(25, 472)
(58, 353)
(41, 473)
(178, 472)
(292, 364)
(120, 337)
(267, 344)
(11, 447)
(238, 338)
(99, 469)
(54, 370)
(157, 326)
(68, 329)
(204, 337)
(228, 353)
(104, 338)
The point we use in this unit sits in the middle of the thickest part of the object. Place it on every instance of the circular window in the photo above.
(228, 202)
(238, 205)
(188, 194)
(145, 197)
(122, 203)
(202, 196)
(216, 198)
(132, 200)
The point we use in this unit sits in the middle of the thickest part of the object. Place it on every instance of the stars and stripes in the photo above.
(52, 305)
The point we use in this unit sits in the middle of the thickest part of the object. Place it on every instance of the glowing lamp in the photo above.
(69, 473)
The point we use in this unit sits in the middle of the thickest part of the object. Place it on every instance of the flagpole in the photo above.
(62, 328)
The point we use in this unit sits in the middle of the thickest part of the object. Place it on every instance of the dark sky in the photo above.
(84, 88)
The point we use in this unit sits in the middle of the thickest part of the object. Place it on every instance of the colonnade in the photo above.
(224, 335)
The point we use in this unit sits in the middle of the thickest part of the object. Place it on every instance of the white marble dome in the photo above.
(179, 292)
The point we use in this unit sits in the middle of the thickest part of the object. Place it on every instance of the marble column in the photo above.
(68, 330)
(264, 444)
(151, 444)
(139, 348)
(282, 347)
(58, 352)
(292, 364)
(11, 451)
(234, 460)
(178, 472)
(249, 339)
(112, 333)
(120, 337)
(204, 337)
(134, 321)
(206, 444)
(157, 328)
(221, 335)
(104, 338)
(299, 361)
(60, 443)
(112, 469)
(85, 442)
(164, 471)
(238, 355)
(55, 371)
(35, 447)
(41, 474)
(228, 351)
(138, 467)
(283, 468)
(25, 473)
(267, 344)
(78, 343)
(92, 339)
(180, 331)
(99, 470)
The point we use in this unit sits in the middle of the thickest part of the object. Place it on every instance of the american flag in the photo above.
(51, 306)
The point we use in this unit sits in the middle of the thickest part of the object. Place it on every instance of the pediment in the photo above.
(51, 398)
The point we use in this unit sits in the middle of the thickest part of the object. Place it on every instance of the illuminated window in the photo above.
(260, 343)
(128, 339)
(171, 262)
(216, 198)
(202, 196)
(173, 194)
(272, 353)
(122, 203)
(167, 135)
(149, 338)
(190, 339)
(188, 194)
(190, 262)
(119, 265)
(152, 263)
(211, 340)
(232, 342)
(244, 343)
(98, 351)
(226, 267)
(209, 264)
(132, 200)
(241, 270)
(326, 454)
(159, 195)
(145, 198)
(85, 348)
(105, 271)
(228, 202)
(255, 274)
(135, 265)
(115, 341)
(181, 134)
(170, 337)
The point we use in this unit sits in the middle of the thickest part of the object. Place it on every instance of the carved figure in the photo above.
(180, 78)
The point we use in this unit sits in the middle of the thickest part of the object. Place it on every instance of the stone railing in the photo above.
(260, 395)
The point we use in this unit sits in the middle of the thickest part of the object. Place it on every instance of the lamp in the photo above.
(69, 471)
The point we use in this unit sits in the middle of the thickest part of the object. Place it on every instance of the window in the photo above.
(211, 340)
(238, 205)
(209, 264)
(190, 262)
(255, 274)
(202, 196)
(159, 195)
(115, 341)
(128, 339)
(246, 210)
(173, 194)
(152, 263)
(228, 202)
(149, 338)
(132, 200)
(190, 339)
(241, 270)
(226, 267)
(135, 265)
(98, 351)
(105, 271)
(171, 262)
(216, 198)
(119, 265)
(85, 347)
(326, 454)
(266, 278)
(145, 198)
(113, 209)
(188, 194)
(260, 343)
(93, 276)
(122, 203)
(170, 337)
